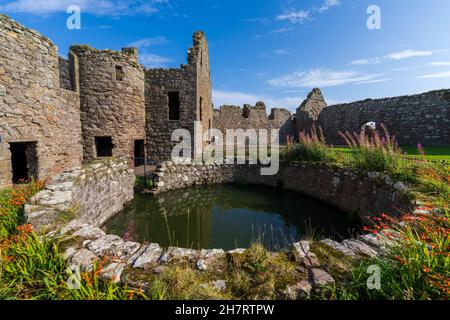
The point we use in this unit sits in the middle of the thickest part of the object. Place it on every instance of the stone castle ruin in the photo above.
(56, 113)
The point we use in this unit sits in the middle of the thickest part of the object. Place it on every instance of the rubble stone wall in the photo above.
(92, 194)
(422, 118)
(111, 107)
(33, 106)
(254, 117)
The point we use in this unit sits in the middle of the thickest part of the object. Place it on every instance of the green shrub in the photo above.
(144, 183)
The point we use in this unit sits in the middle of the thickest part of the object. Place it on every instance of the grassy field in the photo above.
(437, 153)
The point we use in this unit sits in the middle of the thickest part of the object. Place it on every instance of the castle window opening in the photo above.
(139, 153)
(104, 146)
(24, 161)
(174, 105)
(119, 73)
(201, 109)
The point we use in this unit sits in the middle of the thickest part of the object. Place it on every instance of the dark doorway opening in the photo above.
(174, 105)
(104, 146)
(139, 153)
(24, 161)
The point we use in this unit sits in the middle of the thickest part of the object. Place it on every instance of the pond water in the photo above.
(228, 217)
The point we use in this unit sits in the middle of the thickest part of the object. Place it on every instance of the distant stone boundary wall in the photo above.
(365, 195)
(422, 118)
(254, 117)
(92, 193)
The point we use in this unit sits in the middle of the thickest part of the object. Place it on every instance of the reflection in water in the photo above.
(227, 217)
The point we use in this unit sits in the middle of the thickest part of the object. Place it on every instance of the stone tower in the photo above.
(111, 86)
(176, 98)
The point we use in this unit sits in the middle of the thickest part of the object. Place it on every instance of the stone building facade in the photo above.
(56, 113)
(176, 98)
(40, 127)
(112, 106)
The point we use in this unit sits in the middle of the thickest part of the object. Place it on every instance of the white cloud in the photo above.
(408, 54)
(97, 7)
(328, 4)
(153, 60)
(320, 78)
(439, 75)
(148, 42)
(439, 64)
(374, 81)
(361, 62)
(281, 52)
(294, 16)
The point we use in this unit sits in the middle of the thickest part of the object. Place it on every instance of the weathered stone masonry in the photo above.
(254, 117)
(193, 83)
(34, 108)
(92, 193)
(422, 118)
(111, 107)
(63, 110)
(56, 113)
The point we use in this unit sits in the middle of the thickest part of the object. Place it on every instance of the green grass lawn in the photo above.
(438, 153)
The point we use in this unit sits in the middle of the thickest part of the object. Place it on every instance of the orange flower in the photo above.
(27, 228)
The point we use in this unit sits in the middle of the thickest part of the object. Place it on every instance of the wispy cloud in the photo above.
(374, 81)
(320, 78)
(148, 42)
(439, 64)
(151, 60)
(396, 56)
(409, 54)
(274, 32)
(439, 75)
(96, 7)
(362, 62)
(328, 4)
(257, 20)
(281, 52)
(294, 16)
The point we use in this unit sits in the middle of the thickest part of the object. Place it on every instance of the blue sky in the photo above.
(274, 51)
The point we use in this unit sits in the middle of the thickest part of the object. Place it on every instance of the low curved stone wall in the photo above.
(92, 193)
(363, 194)
(97, 191)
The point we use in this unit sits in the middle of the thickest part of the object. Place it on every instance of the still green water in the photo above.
(228, 217)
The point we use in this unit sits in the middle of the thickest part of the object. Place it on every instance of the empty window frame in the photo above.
(104, 146)
(119, 73)
(174, 105)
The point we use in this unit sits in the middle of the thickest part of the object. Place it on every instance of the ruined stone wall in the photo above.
(92, 194)
(64, 74)
(158, 82)
(110, 107)
(192, 81)
(307, 114)
(199, 56)
(422, 118)
(254, 117)
(34, 108)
